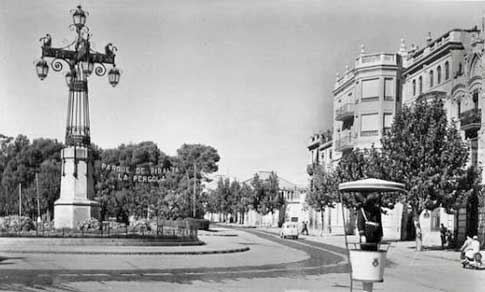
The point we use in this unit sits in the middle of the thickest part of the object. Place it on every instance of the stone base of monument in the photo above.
(71, 214)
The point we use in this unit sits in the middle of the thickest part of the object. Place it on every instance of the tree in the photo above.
(223, 197)
(426, 153)
(235, 197)
(361, 164)
(266, 197)
(49, 185)
(194, 162)
(244, 200)
(210, 202)
(324, 190)
(20, 160)
(204, 157)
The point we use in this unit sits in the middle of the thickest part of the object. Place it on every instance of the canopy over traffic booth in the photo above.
(367, 265)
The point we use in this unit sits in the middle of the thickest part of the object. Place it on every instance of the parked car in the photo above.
(289, 229)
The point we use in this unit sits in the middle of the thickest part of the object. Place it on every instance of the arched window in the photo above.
(431, 78)
(414, 87)
(447, 70)
(420, 84)
(460, 69)
(438, 73)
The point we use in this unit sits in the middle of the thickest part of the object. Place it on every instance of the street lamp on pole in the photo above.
(74, 204)
(79, 55)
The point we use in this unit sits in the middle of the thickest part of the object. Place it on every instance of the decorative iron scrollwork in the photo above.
(100, 69)
(56, 64)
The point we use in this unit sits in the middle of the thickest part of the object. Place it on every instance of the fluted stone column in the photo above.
(481, 132)
(77, 182)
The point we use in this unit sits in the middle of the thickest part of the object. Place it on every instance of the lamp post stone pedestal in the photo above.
(77, 185)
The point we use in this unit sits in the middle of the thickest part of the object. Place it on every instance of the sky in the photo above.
(251, 78)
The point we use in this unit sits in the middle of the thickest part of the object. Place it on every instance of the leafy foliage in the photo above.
(426, 153)
(361, 164)
(170, 198)
(324, 190)
(21, 159)
(266, 194)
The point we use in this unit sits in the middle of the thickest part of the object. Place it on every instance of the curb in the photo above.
(100, 241)
(220, 235)
(235, 250)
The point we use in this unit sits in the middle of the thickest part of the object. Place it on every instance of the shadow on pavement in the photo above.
(319, 262)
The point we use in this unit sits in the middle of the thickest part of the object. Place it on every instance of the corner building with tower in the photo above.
(367, 96)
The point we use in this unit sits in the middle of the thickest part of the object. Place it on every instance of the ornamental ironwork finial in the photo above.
(78, 54)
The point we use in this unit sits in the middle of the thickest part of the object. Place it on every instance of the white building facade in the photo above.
(451, 67)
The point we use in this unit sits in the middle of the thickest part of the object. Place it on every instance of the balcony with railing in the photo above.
(319, 139)
(471, 119)
(344, 142)
(453, 36)
(375, 59)
(345, 112)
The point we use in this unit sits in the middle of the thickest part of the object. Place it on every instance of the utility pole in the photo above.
(193, 195)
(37, 191)
(20, 199)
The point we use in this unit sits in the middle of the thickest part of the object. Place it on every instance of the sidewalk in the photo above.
(404, 248)
(407, 269)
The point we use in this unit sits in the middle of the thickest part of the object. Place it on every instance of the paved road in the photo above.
(322, 259)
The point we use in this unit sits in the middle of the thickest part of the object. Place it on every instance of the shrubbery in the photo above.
(140, 225)
(199, 224)
(90, 224)
(16, 223)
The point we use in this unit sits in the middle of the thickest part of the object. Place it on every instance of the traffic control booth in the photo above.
(367, 257)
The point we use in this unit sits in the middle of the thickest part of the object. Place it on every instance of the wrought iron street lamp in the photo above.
(79, 17)
(114, 76)
(87, 67)
(78, 55)
(73, 205)
(42, 69)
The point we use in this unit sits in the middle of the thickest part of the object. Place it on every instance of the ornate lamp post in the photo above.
(77, 185)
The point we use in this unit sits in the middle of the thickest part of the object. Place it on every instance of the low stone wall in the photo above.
(63, 241)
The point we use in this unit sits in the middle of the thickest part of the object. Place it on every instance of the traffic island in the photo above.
(115, 246)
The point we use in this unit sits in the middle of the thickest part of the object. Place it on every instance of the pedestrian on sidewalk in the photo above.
(443, 233)
(304, 228)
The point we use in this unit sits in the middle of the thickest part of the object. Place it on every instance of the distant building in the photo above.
(321, 150)
(294, 196)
